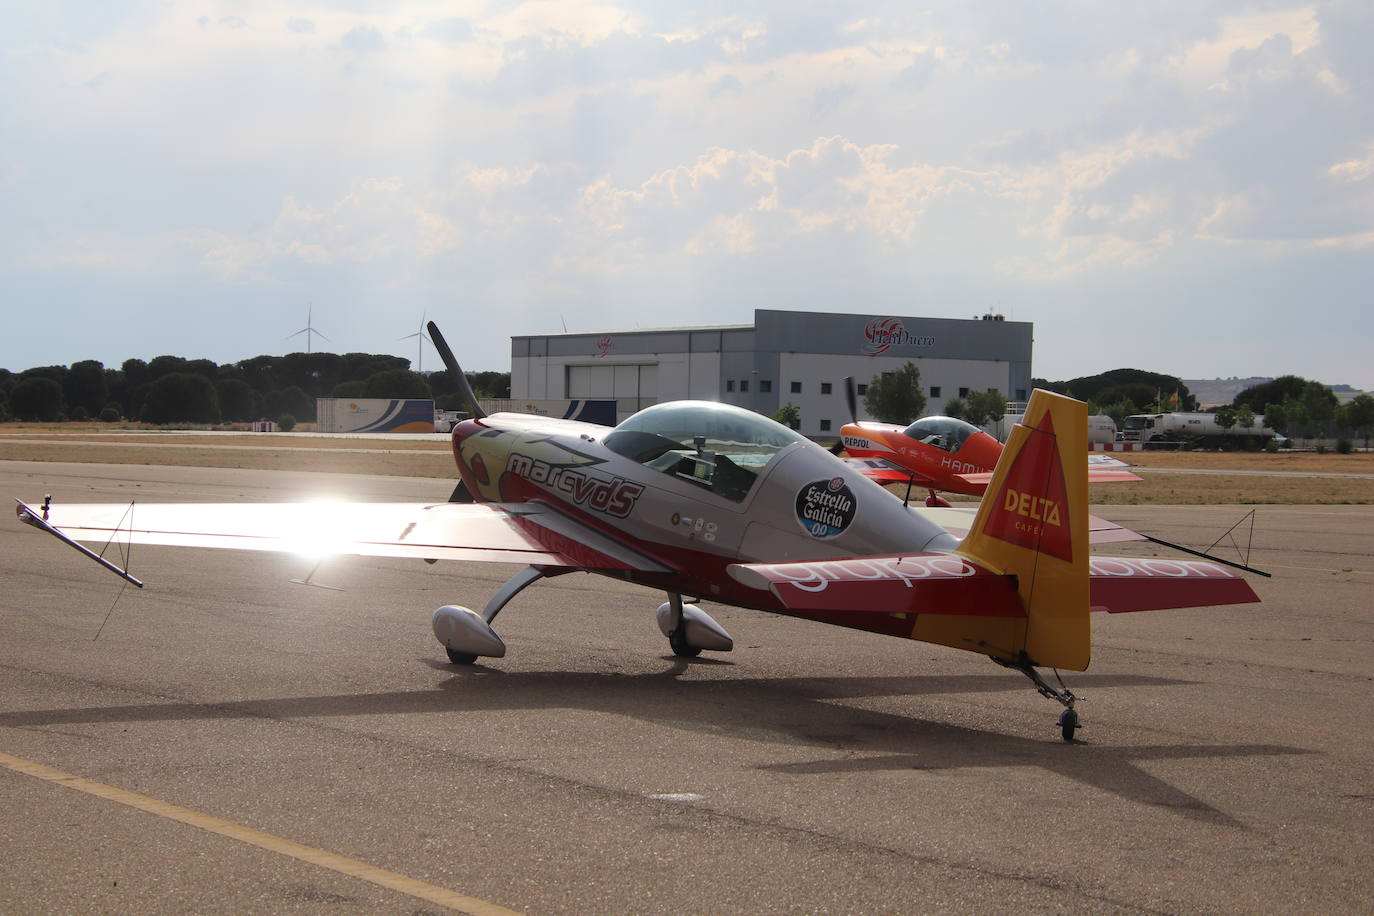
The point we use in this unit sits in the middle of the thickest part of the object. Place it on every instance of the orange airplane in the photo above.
(939, 454)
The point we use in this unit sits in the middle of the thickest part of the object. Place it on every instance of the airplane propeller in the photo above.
(455, 370)
(852, 400)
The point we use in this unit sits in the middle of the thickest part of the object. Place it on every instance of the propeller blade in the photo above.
(455, 370)
(851, 399)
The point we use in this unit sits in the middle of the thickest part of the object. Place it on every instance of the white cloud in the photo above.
(604, 158)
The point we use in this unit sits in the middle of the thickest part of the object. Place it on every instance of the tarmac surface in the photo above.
(233, 743)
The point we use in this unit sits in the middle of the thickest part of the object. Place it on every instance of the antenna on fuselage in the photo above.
(455, 370)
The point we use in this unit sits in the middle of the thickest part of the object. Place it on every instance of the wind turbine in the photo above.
(308, 330)
(419, 343)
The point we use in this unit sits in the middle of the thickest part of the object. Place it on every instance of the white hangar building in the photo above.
(784, 357)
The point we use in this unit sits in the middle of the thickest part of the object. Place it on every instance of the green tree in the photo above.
(1097, 388)
(1226, 417)
(159, 366)
(37, 398)
(1276, 418)
(1245, 417)
(290, 400)
(397, 383)
(1119, 411)
(352, 389)
(788, 415)
(956, 407)
(181, 397)
(1299, 421)
(985, 407)
(237, 400)
(896, 396)
(489, 384)
(85, 387)
(1275, 392)
(1359, 416)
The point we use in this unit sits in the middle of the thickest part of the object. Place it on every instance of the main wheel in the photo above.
(681, 647)
(1068, 723)
(460, 658)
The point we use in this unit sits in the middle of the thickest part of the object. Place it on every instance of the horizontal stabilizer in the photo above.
(1123, 584)
(922, 583)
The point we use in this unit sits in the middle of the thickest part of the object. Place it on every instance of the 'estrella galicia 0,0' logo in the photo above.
(825, 507)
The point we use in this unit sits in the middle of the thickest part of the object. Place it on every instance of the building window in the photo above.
(794, 423)
(765, 386)
(963, 392)
(796, 387)
(825, 426)
(934, 391)
(825, 389)
(1020, 394)
(744, 384)
(729, 384)
(861, 389)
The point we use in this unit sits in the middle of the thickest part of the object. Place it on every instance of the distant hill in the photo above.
(1215, 392)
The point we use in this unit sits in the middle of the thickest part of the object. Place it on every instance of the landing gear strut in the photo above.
(467, 634)
(1068, 719)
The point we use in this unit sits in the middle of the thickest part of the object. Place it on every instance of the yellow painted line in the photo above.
(342, 864)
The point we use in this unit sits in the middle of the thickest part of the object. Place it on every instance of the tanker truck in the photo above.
(1192, 428)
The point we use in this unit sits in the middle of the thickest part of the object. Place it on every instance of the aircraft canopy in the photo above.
(716, 446)
(942, 432)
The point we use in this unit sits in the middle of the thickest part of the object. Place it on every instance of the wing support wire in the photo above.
(38, 518)
(1229, 533)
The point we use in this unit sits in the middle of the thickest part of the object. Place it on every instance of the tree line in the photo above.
(1291, 405)
(173, 389)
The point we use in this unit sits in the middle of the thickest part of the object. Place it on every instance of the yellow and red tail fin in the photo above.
(1033, 523)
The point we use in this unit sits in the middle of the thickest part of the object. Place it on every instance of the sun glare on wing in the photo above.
(320, 529)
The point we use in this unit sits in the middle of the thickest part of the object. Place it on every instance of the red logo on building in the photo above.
(603, 346)
(882, 334)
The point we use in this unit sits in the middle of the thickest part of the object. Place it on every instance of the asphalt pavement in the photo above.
(223, 741)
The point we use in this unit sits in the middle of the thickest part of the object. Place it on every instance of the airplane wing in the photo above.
(941, 583)
(531, 533)
(884, 471)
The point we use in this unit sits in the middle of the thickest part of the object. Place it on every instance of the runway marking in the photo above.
(342, 864)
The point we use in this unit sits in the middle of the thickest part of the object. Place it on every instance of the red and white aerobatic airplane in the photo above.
(938, 454)
(708, 500)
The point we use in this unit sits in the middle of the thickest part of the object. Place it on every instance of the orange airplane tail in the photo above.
(1033, 524)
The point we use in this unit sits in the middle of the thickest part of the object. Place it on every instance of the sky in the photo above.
(1185, 187)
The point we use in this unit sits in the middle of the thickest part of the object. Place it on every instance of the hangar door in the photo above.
(633, 386)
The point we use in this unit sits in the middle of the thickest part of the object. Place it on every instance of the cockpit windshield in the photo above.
(942, 432)
(718, 447)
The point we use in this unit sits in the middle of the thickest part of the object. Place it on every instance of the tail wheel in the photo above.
(1068, 723)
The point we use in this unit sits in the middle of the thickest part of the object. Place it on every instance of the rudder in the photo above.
(1033, 523)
